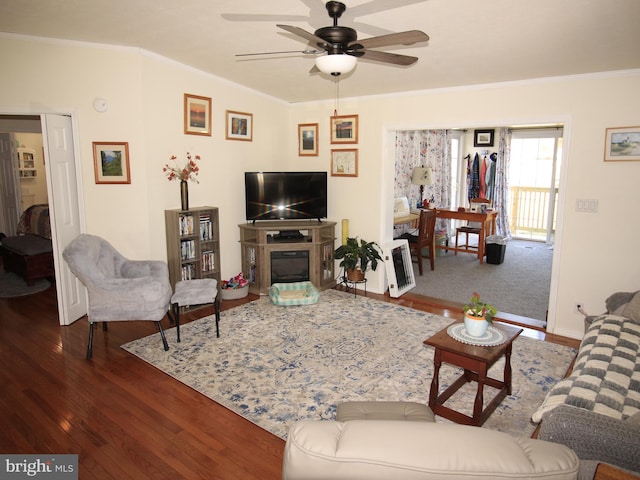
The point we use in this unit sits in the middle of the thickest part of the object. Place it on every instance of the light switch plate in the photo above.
(586, 205)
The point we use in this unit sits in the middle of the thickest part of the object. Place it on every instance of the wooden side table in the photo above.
(476, 362)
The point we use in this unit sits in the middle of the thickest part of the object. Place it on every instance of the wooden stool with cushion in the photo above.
(196, 292)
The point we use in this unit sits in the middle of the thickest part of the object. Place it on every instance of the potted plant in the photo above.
(478, 315)
(356, 255)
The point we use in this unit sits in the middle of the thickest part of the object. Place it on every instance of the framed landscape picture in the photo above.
(111, 162)
(239, 126)
(197, 115)
(308, 139)
(344, 129)
(622, 144)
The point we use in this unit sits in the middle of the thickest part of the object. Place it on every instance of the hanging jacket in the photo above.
(474, 184)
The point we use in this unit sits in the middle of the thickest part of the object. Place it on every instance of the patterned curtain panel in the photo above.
(407, 157)
(501, 191)
(427, 148)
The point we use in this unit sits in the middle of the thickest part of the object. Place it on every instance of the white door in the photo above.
(9, 181)
(57, 138)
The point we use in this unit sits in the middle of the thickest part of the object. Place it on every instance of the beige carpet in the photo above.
(276, 365)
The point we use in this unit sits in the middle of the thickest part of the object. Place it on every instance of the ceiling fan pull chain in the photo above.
(335, 109)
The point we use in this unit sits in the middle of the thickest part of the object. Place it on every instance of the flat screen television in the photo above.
(285, 195)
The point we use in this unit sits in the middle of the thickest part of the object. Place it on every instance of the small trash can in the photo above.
(496, 245)
(442, 240)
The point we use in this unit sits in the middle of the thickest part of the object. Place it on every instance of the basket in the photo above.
(234, 293)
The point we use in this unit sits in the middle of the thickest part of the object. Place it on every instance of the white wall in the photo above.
(145, 97)
(594, 252)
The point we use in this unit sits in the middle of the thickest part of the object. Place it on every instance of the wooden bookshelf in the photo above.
(193, 244)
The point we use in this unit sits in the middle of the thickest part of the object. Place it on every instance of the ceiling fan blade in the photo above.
(387, 57)
(402, 38)
(319, 42)
(306, 52)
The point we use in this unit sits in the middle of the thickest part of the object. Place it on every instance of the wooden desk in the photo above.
(487, 221)
(411, 218)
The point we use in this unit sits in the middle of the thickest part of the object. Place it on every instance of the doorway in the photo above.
(459, 145)
(63, 196)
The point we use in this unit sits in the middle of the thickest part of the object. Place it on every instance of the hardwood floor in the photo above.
(124, 418)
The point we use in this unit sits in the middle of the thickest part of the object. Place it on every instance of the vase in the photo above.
(475, 326)
(184, 195)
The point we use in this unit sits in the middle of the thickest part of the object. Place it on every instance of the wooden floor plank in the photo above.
(125, 418)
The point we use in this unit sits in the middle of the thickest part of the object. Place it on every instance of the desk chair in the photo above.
(425, 238)
(470, 228)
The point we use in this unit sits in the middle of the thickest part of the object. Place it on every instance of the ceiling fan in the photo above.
(343, 47)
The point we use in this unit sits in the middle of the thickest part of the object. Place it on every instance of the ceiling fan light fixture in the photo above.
(336, 64)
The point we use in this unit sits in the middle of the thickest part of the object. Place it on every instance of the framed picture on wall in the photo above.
(483, 138)
(239, 126)
(344, 129)
(197, 115)
(308, 139)
(622, 144)
(111, 162)
(344, 163)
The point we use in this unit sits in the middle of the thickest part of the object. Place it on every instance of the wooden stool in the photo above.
(195, 292)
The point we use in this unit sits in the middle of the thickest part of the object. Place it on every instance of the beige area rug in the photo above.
(275, 365)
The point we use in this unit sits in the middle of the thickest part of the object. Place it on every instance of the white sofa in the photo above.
(375, 449)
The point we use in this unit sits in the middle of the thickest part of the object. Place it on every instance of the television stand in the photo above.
(259, 240)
